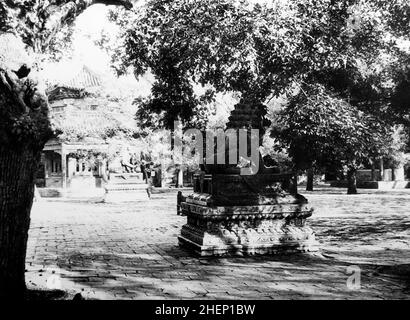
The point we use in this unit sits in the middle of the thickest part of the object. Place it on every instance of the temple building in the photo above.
(87, 124)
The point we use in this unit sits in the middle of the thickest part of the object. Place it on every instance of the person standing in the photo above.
(142, 168)
(150, 173)
(134, 161)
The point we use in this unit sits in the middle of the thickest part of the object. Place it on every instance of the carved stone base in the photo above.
(241, 250)
(247, 230)
(125, 187)
(245, 215)
(234, 213)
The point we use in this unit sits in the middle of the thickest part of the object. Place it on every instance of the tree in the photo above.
(323, 131)
(361, 40)
(220, 44)
(259, 51)
(26, 30)
(347, 47)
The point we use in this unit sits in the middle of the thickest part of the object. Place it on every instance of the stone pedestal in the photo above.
(230, 213)
(245, 215)
(387, 175)
(398, 173)
(124, 187)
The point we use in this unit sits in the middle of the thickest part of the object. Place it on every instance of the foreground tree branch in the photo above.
(65, 14)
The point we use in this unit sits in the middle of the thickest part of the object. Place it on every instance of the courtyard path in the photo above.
(130, 251)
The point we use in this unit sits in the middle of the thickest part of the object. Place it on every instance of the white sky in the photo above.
(88, 27)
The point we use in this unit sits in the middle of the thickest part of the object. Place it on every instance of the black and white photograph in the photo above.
(222, 152)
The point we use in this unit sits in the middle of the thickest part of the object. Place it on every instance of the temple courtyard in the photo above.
(129, 250)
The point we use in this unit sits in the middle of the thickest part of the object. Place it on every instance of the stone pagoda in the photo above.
(234, 214)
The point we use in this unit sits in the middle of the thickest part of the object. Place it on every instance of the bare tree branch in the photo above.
(15, 89)
(125, 3)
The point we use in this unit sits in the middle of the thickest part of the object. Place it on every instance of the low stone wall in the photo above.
(51, 192)
(382, 185)
(70, 193)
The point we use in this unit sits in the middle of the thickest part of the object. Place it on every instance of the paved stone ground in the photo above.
(129, 251)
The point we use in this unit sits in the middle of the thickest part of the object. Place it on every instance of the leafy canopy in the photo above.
(343, 59)
(322, 130)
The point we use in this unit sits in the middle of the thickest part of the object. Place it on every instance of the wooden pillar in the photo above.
(64, 167)
(181, 177)
(310, 178)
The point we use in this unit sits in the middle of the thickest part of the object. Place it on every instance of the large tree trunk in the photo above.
(17, 172)
(24, 124)
(309, 183)
(351, 181)
(24, 128)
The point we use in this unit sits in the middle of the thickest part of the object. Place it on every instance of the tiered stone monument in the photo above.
(230, 213)
(125, 187)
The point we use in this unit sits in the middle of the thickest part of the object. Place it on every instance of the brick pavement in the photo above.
(129, 251)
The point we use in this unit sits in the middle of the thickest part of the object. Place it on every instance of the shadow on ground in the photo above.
(181, 276)
(129, 251)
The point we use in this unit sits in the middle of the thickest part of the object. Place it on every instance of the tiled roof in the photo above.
(60, 93)
(86, 78)
(75, 87)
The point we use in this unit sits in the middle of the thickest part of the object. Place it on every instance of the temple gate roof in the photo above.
(77, 86)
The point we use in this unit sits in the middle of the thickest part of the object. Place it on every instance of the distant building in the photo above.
(78, 156)
(93, 132)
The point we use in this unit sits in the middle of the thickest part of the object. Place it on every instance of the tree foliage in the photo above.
(341, 64)
(37, 22)
(27, 29)
(324, 131)
(262, 50)
(217, 43)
